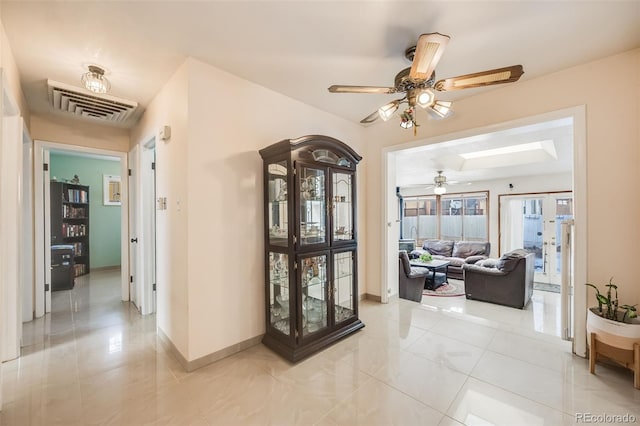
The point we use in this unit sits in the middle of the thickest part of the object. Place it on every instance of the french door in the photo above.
(534, 222)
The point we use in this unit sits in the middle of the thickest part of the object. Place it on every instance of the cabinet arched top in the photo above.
(324, 149)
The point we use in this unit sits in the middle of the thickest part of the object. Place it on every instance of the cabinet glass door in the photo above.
(314, 294)
(313, 205)
(343, 285)
(279, 300)
(342, 206)
(277, 204)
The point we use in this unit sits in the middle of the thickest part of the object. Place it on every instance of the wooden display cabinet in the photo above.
(311, 274)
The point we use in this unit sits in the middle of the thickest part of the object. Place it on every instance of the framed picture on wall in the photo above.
(111, 190)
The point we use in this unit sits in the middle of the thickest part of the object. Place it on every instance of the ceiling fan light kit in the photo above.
(439, 189)
(418, 83)
(386, 111)
(95, 81)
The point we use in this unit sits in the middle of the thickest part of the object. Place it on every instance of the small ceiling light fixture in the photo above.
(386, 111)
(425, 98)
(439, 189)
(95, 81)
(441, 108)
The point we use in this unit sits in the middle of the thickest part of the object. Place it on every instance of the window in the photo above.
(419, 218)
(459, 217)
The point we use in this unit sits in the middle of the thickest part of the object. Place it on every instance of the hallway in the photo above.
(94, 360)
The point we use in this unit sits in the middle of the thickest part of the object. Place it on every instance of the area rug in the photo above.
(453, 288)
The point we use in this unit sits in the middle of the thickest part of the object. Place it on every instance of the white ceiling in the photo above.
(418, 166)
(299, 48)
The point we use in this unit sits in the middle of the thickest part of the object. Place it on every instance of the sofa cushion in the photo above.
(438, 247)
(470, 248)
(417, 271)
(456, 261)
(404, 259)
(475, 259)
(508, 261)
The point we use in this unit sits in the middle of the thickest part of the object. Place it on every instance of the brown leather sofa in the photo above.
(506, 281)
(411, 279)
(459, 253)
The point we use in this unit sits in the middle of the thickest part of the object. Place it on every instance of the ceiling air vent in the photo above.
(79, 102)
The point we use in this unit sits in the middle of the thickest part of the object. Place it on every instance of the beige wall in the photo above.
(170, 107)
(69, 131)
(11, 74)
(230, 120)
(610, 89)
(210, 173)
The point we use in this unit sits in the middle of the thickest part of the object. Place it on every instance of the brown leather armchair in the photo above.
(509, 282)
(411, 278)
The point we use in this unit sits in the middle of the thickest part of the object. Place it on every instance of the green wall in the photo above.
(104, 221)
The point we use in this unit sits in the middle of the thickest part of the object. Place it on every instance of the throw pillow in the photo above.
(488, 263)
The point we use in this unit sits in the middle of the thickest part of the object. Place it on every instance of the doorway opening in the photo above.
(534, 222)
(472, 175)
(83, 229)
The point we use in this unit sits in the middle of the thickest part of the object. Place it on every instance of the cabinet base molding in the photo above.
(190, 366)
(298, 353)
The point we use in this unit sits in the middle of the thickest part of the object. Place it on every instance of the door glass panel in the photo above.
(343, 283)
(279, 300)
(312, 206)
(278, 196)
(532, 231)
(314, 294)
(342, 206)
(564, 211)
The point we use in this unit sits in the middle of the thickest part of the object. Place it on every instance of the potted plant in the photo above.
(426, 257)
(614, 331)
(613, 311)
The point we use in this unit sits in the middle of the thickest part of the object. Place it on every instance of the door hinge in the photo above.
(45, 167)
(153, 166)
(295, 265)
(154, 286)
(130, 278)
(295, 240)
(129, 172)
(46, 287)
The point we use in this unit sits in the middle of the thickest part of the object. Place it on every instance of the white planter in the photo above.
(613, 333)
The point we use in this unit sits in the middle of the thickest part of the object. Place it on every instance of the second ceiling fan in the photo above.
(418, 83)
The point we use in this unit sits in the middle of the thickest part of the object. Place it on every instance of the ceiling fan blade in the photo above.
(429, 49)
(370, 118)
(361, 89)
(479, 79)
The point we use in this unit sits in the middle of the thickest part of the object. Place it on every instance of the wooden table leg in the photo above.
(592, 353)
(636, 365)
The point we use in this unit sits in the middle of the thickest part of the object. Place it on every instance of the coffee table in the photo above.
(434, 266)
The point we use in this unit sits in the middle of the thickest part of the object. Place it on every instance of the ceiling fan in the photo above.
(418, 83)
(439, 184)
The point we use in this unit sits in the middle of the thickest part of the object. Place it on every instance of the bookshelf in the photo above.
(70, 221)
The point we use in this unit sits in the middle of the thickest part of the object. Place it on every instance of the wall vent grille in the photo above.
(78, 102)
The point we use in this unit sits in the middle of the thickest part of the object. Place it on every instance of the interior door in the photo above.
(134, 276)
(47, 231)
(148, 229)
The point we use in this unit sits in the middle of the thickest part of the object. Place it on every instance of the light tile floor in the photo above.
(446, 361)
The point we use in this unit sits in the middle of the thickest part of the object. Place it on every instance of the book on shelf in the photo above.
(71, 230)
(70, 212)
(77, 196)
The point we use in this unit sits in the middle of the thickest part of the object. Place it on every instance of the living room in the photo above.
(528, 166)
